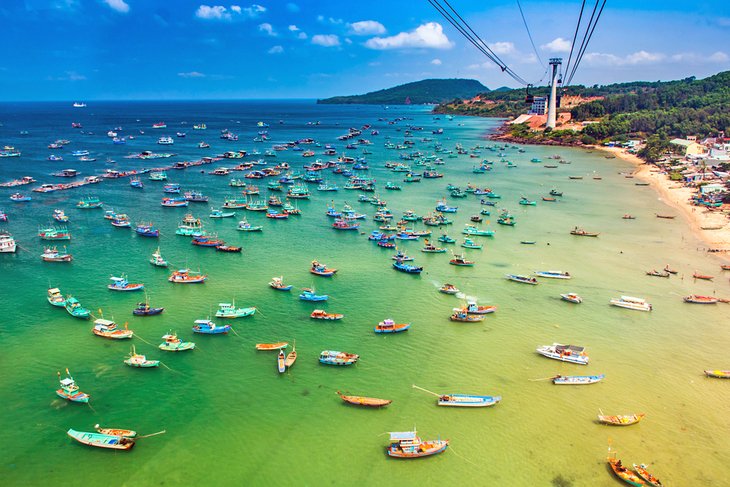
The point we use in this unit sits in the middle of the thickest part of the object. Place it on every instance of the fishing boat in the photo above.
(89, 202)
(291, 357)
(582, 233)
(630, 302)
(278, 284)
(646, 476)
(135, 182)
(206, 241)
(69, 390)
(332, 357)
(108, 329)
(470, 244)
(467, 400)
(575, 380)
(157, 259)
(74, 308)
(207, 327)
(158, 176)
(121, 284)
(345, 224)
(390, 326)
(449, 289)
(121, 221)
(308, 294)
(319, 314)
(183, 276)
(554, 274)
(267, 347)
(565, 353)
(473, 308)
(522, 279)
(53, 233)
(401, 266)
(620, 419)
(446, 239)
(173, 344)
(229, 310)
(55, 298)
(464, 317)
(406, 444)
(555, 192)
(281, 362)
(321, 269)
(125, 433)
(624, 473)
(703, 277)
(147, 230)
(657, 273)
(144, 309)
(718, 374)
(697, 299)
(725, 267)
(217, 213)
(669, 269)
(371, 402)
(571, 298)
(628, 217)
(245, 226)
(51, 254)
(60, 216)
(174, 202)
(100, 440)
(431, 248)
(459, 260)
(525, 202)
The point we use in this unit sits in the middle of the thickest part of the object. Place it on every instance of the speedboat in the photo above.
(630, 302)
(564, 353)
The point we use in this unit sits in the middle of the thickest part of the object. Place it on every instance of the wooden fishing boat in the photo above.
(115, 432)
(183, 276)
(467, 400)
(571, 298)
(157, 259)
(725, 267)
(333, 357)
(620, 419)
(121, 284)
(522, 279)
(473, 308)
(555, 192)
(646, 476)
(576, 380)
(267, 347)
(565, 353)
(69, 390)
(370, 402)
(281, 361)
(140, 361)
(460, 261)
(278, 284)
(657, 273)
(464, 317)
(470, 244)
(449, 289)
(697, 299)
(704, 277)
(244, 226)
(99, 440)
(319, 314)
(291, 357)
(74, 308)
(628, 217)
(401, 266)
(718, 374)
(207, 327)
(407, 444)
(55, 298)
(548, 198)
(624, 473)
(308, 294)
(430, 248)
(51, 254)
(217, 213)
(321, 269)
(554, 274)
(667, 217)
(108, 329)
(145, 230)
(669, 269)
(229, 310)
(173, 344)
(582, 233)
(390, 326)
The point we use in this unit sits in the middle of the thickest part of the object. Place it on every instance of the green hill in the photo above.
(420, 92)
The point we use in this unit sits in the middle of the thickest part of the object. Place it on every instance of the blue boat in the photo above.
(309, 295)
(399, 265)
(577, 379)
(147, 230)
(207, 327)
(331, 357)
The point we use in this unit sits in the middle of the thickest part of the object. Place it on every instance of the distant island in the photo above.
(427, 91)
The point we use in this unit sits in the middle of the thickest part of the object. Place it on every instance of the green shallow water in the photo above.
(231, 419)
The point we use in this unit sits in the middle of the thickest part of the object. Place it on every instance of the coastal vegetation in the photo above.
(419, 92)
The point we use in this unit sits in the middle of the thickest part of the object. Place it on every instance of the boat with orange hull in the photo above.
(704, 277)
(183, 276)
(108, 329)
(390, 326)
(271, 346)
(620, 419)
(319, 314)
(407, 444)
(624, 473)
(115, 432)
(322, 269)
(370, 402)
(697, 299)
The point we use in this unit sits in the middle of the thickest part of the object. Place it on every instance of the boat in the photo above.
(667, 217)
(473, 309)
(291, 357)
(173, 344)
(121, 221)
(401, 266)
(108, 329)
(125, 433)
(470, 244)
(147, 230)
(100, 440)
(620, 419)
(207, 327)
(467, 400)
(406, 444)
(571, 298)
(60, 216)
(135, 182)
(624, 473)
(332, 357)
(646, 476)
(345, 224)
(630, 302)
(370, 402)
(216, 213)
(229, 310)
(446, 239)
(281, 362)
(582, 233)
(53, 233)
(400, 255)
(554, 274)
(449, 289)
(51, 254)
(264, 347)
(55, 298)
(575, 380)
(74, 308)
(183, 276)
(657, 273)
(144, 309)
(522, 279)
(464, 317)
(697, 299)
(525, 202)
(278, 284)
(725, 267)
(319, 314)
(565, 353)
(308, 294)
(321, 269)
(669, 269)
(245, 226)
(718, 374)
(121, 284)
(157, 259)
(459, 260)
(703, 277)
(431, 248)
(69, 390)
(628, 217)
(390, 326)
(89, 202)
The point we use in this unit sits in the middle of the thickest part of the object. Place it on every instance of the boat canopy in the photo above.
(402, 435)
(571, 348)
(204, 322)
(67, 382)
(103, 322)
(55, 290)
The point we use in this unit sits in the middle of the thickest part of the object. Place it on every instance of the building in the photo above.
(691, 147)
(539, 105)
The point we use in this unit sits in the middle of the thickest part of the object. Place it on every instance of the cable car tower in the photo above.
(552, 101)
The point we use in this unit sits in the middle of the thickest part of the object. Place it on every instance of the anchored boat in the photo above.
(332, 357)
(69, 390)
(229, 310)
(630, 302)
(564, 353)
(370, 402)
(407, 444)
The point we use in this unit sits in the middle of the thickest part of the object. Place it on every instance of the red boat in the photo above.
(697, 299)
(703, 276)
(322, 269)
(228, 248)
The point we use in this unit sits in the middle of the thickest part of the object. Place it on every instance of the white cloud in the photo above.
(191, 74)
(293, 28)
(366, 28)
(236, 8)
(276, 50)
(119, 5)
(348, 40)
(643, 57)
(639, 57)
(430, 35)
(331, 20)
(329, 40)
(719, 57)
(436, 62)
(302, 35)
(219, 12)
(374, 63)
(254, 10)
(502, 47)
(268, 28)
(216, 12)
(557, 45)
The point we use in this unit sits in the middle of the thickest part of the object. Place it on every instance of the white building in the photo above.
(539, 105)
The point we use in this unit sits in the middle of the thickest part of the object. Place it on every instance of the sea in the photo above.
(231, 419)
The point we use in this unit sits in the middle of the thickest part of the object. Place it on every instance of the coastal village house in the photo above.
(690, 145)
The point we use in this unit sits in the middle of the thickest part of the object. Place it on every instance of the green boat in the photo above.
(393, 186)
(173, 344)
(274, 186)
(446, 239)
(524, 201)
(100, 440)
(470, 244)
(472, 230)
(75, 309)
(506, 220)
(89, 202)
(229, 310)
(56, 298)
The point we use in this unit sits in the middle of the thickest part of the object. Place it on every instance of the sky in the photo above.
(185, 49)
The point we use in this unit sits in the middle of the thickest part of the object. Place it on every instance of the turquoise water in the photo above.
(231, 419)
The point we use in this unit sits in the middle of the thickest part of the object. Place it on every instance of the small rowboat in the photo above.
(668, 217)
(575, 380)
(467, 400)
(648, 478)
(554, 274)
(370, 402)
(115, 432)
(718, 374)
(522, 279)
(101, 441)
(271, 346)
(621, 419)
(656, 273)
(291, 357)
(725, 267)
(624, 473)
(697, 299)
(281, 362)
(704, 277)
(319, 314)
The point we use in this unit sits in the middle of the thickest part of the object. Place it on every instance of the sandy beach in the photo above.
(709, 226)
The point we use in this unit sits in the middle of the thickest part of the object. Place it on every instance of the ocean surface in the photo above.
(231, 419)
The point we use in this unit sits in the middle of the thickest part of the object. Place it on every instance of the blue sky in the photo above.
(182, 49)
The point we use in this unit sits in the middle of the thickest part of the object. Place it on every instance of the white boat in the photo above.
(79, 105)
(630, 302)
(564, 353)
(572, 298)
(467, 400)
(553, 274)
(165, 141)
(7, 243)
